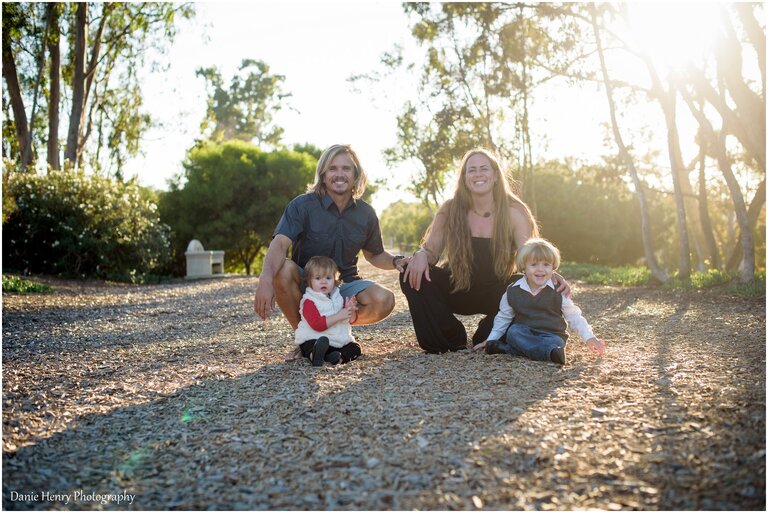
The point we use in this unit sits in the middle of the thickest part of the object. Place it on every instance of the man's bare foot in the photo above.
(293, 355)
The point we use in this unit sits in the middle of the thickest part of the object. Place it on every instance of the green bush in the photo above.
(230, 197)
(19, 285)
(76, 224)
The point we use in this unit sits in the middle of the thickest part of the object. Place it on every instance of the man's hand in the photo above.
(264, 302)
(480, 347)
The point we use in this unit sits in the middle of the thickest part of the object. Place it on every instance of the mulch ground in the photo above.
(175, 395)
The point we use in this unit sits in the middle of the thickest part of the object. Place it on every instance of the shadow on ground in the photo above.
(176, 396)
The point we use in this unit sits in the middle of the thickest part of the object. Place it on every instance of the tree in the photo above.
(14, 23)
(404, 224)
(482, 66)
(246, 109)
(107, 45)
(650, 256)
(231, 196)
(54, 50)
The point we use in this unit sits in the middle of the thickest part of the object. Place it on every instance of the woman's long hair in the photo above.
(457, 247)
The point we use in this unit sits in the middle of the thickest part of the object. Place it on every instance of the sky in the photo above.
(317, 46)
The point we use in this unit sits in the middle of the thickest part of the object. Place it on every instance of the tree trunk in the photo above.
(529, 184)
(78, 84)
(645, 224)
(717, 144)
(55, 86)
(90, 74)
(676, 163)
(668, 101)
(755, 33)
(14, 93)
(750, 106)
(758, 201)
(28, 153)
(706, 222)
(747, 266)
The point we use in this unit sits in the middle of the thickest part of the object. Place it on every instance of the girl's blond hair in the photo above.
(361, 178)
(537, 250)
(320, 265)
(458, 239)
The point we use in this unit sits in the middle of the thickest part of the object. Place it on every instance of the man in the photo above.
(329, 220)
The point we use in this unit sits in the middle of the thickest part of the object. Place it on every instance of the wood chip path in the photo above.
(174, 396)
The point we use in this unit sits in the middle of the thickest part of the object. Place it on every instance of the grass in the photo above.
(19, 285)
(633, 276)
(626, 275)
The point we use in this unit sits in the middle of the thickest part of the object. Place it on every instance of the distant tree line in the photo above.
(72, 106)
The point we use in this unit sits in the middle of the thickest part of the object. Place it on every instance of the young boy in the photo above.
(324, 332)
(533, 317)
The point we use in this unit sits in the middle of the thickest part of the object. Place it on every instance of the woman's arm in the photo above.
(521, 225)
(418, 266)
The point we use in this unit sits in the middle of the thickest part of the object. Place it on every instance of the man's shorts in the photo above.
(348, 289)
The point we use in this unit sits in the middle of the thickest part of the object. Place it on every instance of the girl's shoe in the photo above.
(333, 357)
(318, 352)
(351, 351)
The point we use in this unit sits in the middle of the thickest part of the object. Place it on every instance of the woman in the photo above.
(477, 232)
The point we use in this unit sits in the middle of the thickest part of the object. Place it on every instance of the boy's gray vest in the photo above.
(542, 312)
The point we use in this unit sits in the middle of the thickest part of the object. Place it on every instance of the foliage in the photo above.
(19, 285)
(481, 66)
(9, 203)
(121, 38)
(310, 148)
(626, 275)
(481, 70)
(76, 224)
(727, 281)
(589, 217)
(403, 225)
(246, 108)
(751, 289)
(632, 276)
(231, 196)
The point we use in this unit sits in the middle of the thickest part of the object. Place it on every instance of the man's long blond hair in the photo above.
(361, 178)
(457, 248)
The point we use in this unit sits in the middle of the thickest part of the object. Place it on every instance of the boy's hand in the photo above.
(480, 347)
(596, 345)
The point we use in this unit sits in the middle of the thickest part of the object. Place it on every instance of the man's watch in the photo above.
(395, 259)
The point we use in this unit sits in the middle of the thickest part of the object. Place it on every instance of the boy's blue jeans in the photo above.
(520, 340)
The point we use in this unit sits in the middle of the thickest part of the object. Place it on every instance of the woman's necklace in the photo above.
(484, 214)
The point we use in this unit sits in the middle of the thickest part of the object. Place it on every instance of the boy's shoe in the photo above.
(333, 357)
(492, 347)
(318, 352)
(557, 355)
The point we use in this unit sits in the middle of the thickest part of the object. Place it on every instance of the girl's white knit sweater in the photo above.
(340, 334)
